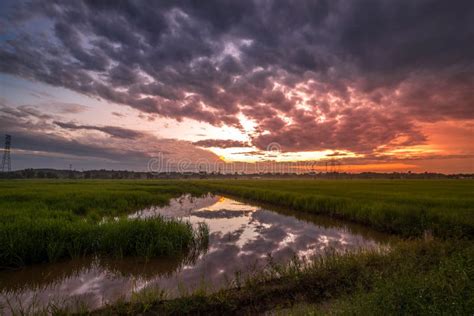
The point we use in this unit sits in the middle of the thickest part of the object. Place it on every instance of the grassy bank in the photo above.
(416, 278)
(404, 207)
(44, 221)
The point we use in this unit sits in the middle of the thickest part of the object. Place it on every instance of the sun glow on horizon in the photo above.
(253, 154)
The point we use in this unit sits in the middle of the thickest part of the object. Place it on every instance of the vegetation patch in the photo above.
(415, 278)
(45, 221)
(429, 272)
(409, 208)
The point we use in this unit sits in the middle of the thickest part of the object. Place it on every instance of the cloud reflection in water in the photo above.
(241, 238)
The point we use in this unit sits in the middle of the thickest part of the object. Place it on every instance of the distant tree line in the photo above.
(126, 174)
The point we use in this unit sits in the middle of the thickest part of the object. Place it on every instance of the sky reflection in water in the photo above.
(241, 238)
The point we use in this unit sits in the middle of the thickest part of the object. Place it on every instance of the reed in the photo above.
(46, 221)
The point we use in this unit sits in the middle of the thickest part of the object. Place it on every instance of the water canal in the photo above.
(242, 238)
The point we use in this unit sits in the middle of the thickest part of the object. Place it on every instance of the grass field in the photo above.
(404, 207)
(429, 272)
(44, 221)
(419, 276)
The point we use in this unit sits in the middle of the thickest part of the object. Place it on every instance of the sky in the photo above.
(349, 86)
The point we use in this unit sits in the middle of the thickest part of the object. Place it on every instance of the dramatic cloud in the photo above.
(110, 130)
(45, 137)
(69, 108)
(222, 143)
(312, 75)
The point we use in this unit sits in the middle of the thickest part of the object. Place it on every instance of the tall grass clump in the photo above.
(27, 242)
(145, 238)
(45, 221)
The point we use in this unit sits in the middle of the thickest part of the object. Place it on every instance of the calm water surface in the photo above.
(242, 236)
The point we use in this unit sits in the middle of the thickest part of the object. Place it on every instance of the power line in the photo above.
(6, 160)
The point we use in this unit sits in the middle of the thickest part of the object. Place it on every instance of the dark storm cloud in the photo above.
(312, 74)
(114, 131)
(222, 143)
(358, 130)
(55, 144)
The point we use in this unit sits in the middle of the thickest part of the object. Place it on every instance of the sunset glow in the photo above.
(94, 86)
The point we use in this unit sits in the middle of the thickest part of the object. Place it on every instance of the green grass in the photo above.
(415, 278)
(45, 221)
(404, 207)
(48, 220)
